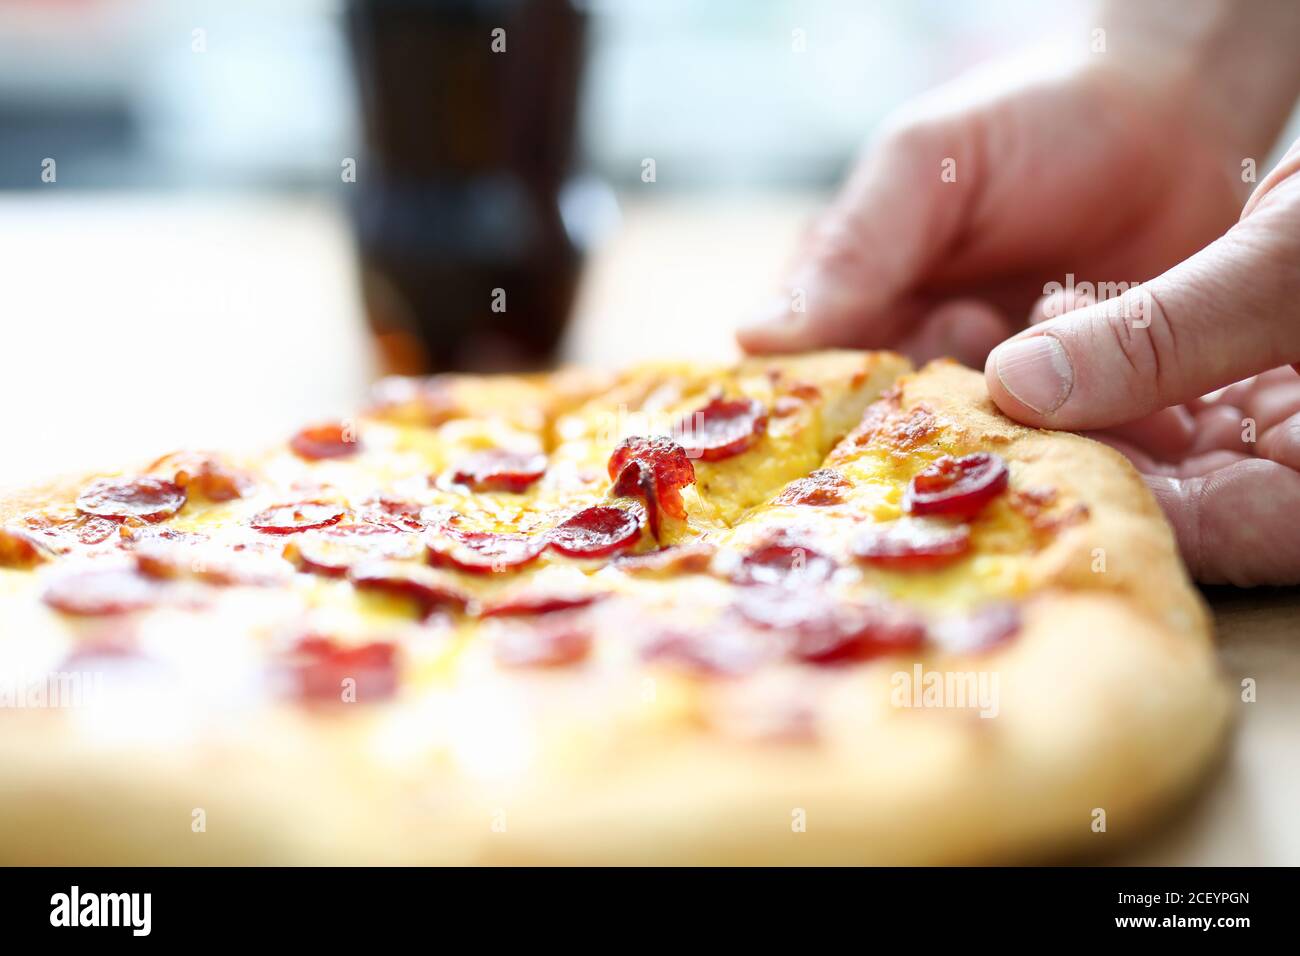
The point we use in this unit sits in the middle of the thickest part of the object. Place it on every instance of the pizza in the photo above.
(820, 608)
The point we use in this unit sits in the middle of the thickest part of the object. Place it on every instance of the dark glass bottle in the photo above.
(469, 110)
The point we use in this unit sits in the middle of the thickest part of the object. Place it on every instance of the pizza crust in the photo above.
(1125, 536)
(1108, 700)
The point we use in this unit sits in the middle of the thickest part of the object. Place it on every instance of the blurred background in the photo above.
(264, 96)
(219, 218)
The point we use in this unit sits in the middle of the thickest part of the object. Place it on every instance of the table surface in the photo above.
(140, 324)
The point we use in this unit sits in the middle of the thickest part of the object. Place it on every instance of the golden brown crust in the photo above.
(1121, 542)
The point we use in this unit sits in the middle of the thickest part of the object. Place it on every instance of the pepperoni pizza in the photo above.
(815, 609)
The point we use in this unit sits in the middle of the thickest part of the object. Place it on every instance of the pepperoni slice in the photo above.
(22, 549)
(424, 585)
(289, 519)
(499, 470)
(785, 559)
(959, 487)
(552, 643)
(212, 564)
(822, 487)
(483, 552)
(326, 440)
(395, 513)
(114, 646)
(539, 602)
(332, 551)
(637, 481)
(146, 498)
(96, 591)
(691, 558)
(724, 652)
(723, 428)
(595, 532)
(321, 666)
(859, 634)
(205, 475)
(134, 533)
(826, 631)
(659, 470)
(980, 630)
(65, 532)
(911, 545)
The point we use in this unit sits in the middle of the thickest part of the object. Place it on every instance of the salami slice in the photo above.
(332, 551)
(784, 558)
(723, 428)
(482, 552)
(394, 513)
(533, 602)
(326, 440)
(726, 651)
(143, 497)
(957, 487)
(292, 518)
(980, 630)
(690, 558)
(637, 481)
(553, 642)
(499, 470)
(860, 636)
(94, 591)
(64, 533)
(910, 544)
(827, 632)
(325, 670)
(821, 629)
(209, 563)
(596, 532)
(424, 585)
(654, 469)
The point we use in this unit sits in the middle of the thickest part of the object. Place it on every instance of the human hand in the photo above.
(982, 191)
(1225, 469)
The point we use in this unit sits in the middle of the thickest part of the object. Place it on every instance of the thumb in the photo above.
(896, 213)
(1229, 312)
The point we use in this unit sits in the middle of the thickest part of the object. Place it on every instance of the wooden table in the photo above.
(134, 325)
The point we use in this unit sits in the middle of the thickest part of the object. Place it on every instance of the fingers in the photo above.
(1228, 312)
(1242, 418)
(1219, 426)
(964, 329)
(1167, 435)
(1281, 442)
(893, 219)
(1238, 524)
(1275, 403)
(1189, 467)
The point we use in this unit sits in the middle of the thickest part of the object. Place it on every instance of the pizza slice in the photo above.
(746, 429)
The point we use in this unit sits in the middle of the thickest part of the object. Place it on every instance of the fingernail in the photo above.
(1036, 371)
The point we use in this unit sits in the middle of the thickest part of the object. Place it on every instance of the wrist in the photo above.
(1230, 68)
